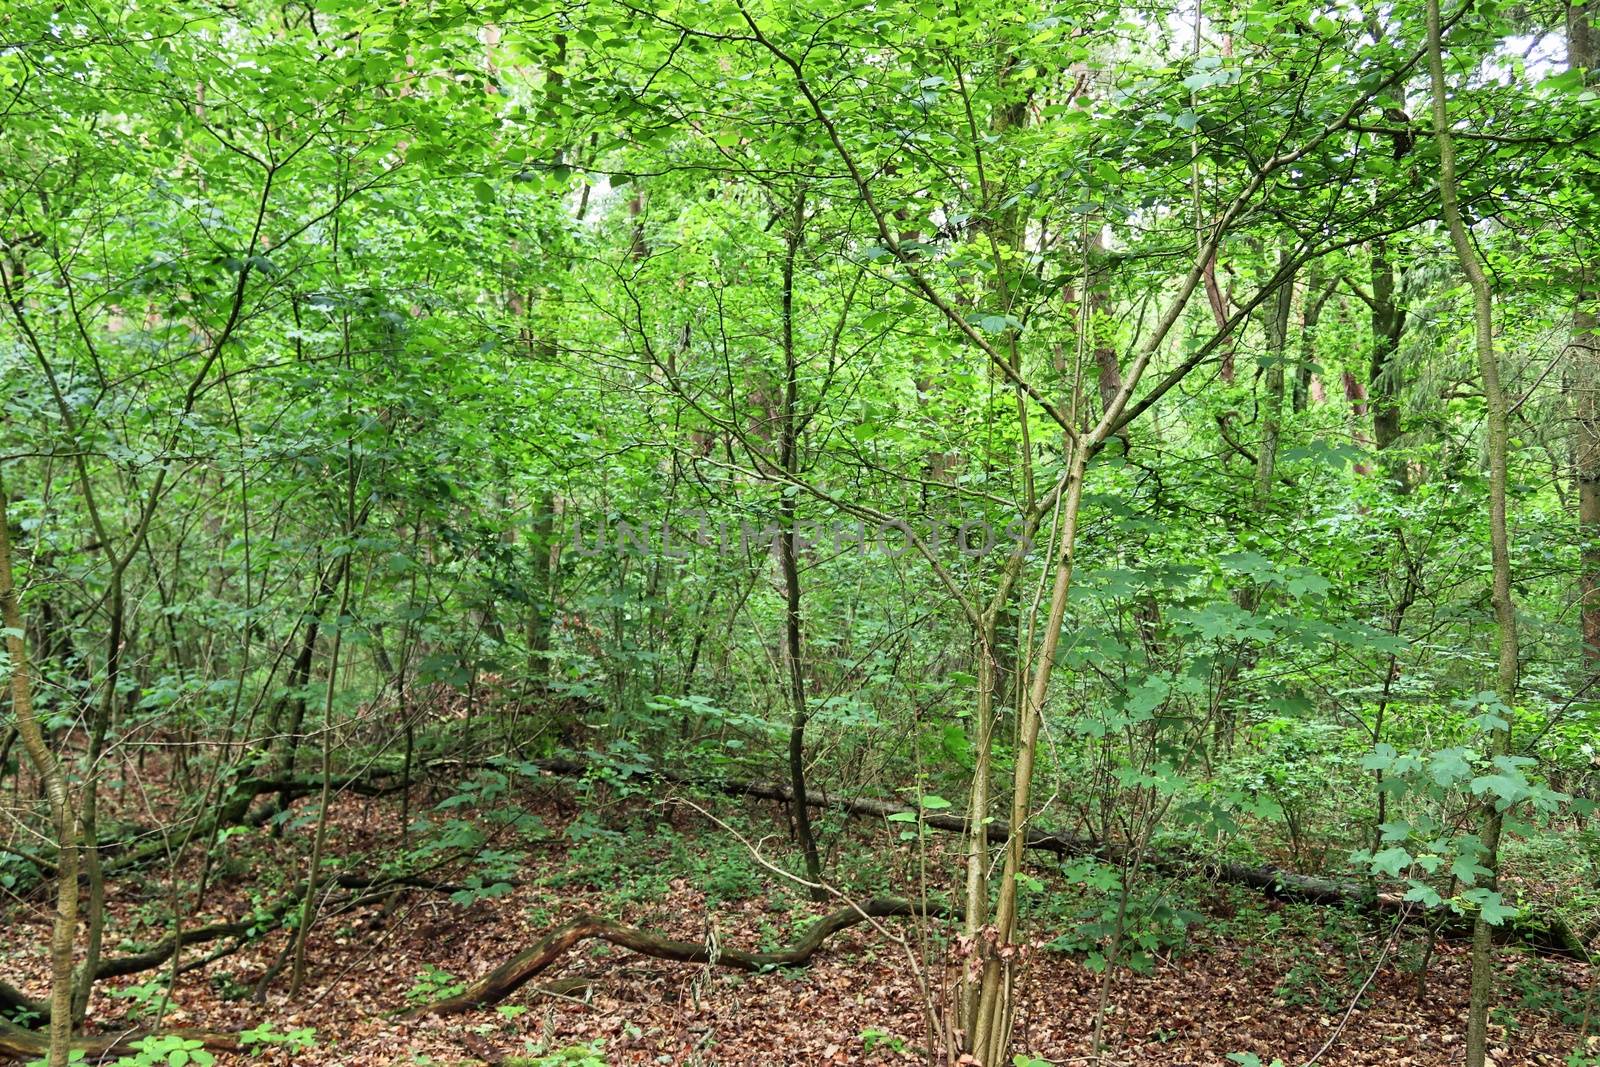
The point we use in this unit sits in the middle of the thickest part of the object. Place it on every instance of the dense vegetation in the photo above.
(992, 476)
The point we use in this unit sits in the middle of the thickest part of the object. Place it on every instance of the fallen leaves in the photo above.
(1222, 995)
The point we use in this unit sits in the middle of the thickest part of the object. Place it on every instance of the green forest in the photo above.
(585, 532)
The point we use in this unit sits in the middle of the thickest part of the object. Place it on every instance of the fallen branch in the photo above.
(15, 1004)
(533, 961)
(18, 1043)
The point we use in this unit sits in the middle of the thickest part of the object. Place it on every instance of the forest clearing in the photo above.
(732, 532)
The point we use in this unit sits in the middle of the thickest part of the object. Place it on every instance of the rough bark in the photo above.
(991, 1034)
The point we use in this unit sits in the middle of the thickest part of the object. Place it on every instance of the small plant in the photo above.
(873, 1038)
(1540, 990)
(264, 1036)
(1587, 1054)
(626, 867)
(145, 999)
(170, 1050)
(1149, 924)
(228, 987)
(725, 876)
(433, 984)
(22, 1017)
(75, 1056)
(591, 1054)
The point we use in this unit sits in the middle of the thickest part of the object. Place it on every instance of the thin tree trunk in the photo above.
(1311, 312)
(308, 909)
(91, 801)
(1584, 375)
(541, 613)
(63, 935)
(1496, 419)
(1383, 372)
(977, 826)
(991, 1034)
(1272, 414)
(789, 563)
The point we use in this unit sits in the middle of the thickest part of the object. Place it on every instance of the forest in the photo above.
(587, 532)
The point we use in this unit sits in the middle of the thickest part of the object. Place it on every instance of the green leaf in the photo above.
(1392, 861)
(1467, 869)
(1424, 894)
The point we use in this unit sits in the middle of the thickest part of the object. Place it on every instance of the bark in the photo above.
(300, 672)
(1247, 596)
(1496, 430)
(788, 558)
(1584, 376)
(991, 1033)
(1108, 366)
(1584, 360)
(1218, 302)
(99, 727)
(63, 935)
(541, 610)
(308, 913)
(1310, 313)
(1383, 372)
(1272, 412)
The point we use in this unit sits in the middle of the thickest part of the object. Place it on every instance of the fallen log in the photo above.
(18, 1043)
(15, 1004)
(1547, 934)
(531, 962)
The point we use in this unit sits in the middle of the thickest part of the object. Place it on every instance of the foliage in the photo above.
(404, 399)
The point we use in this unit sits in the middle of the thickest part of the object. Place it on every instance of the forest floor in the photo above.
(1253, 976)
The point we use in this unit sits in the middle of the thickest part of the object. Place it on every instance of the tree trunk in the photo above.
(300, 673)
(1272, 413)
(90, 805)
(1383, 372)
(1584, 377)
(533, 961)
(1496, 419)
(541, 610)
(789, 562)
(1317, 295)
(64, 933)
(991, 1035)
